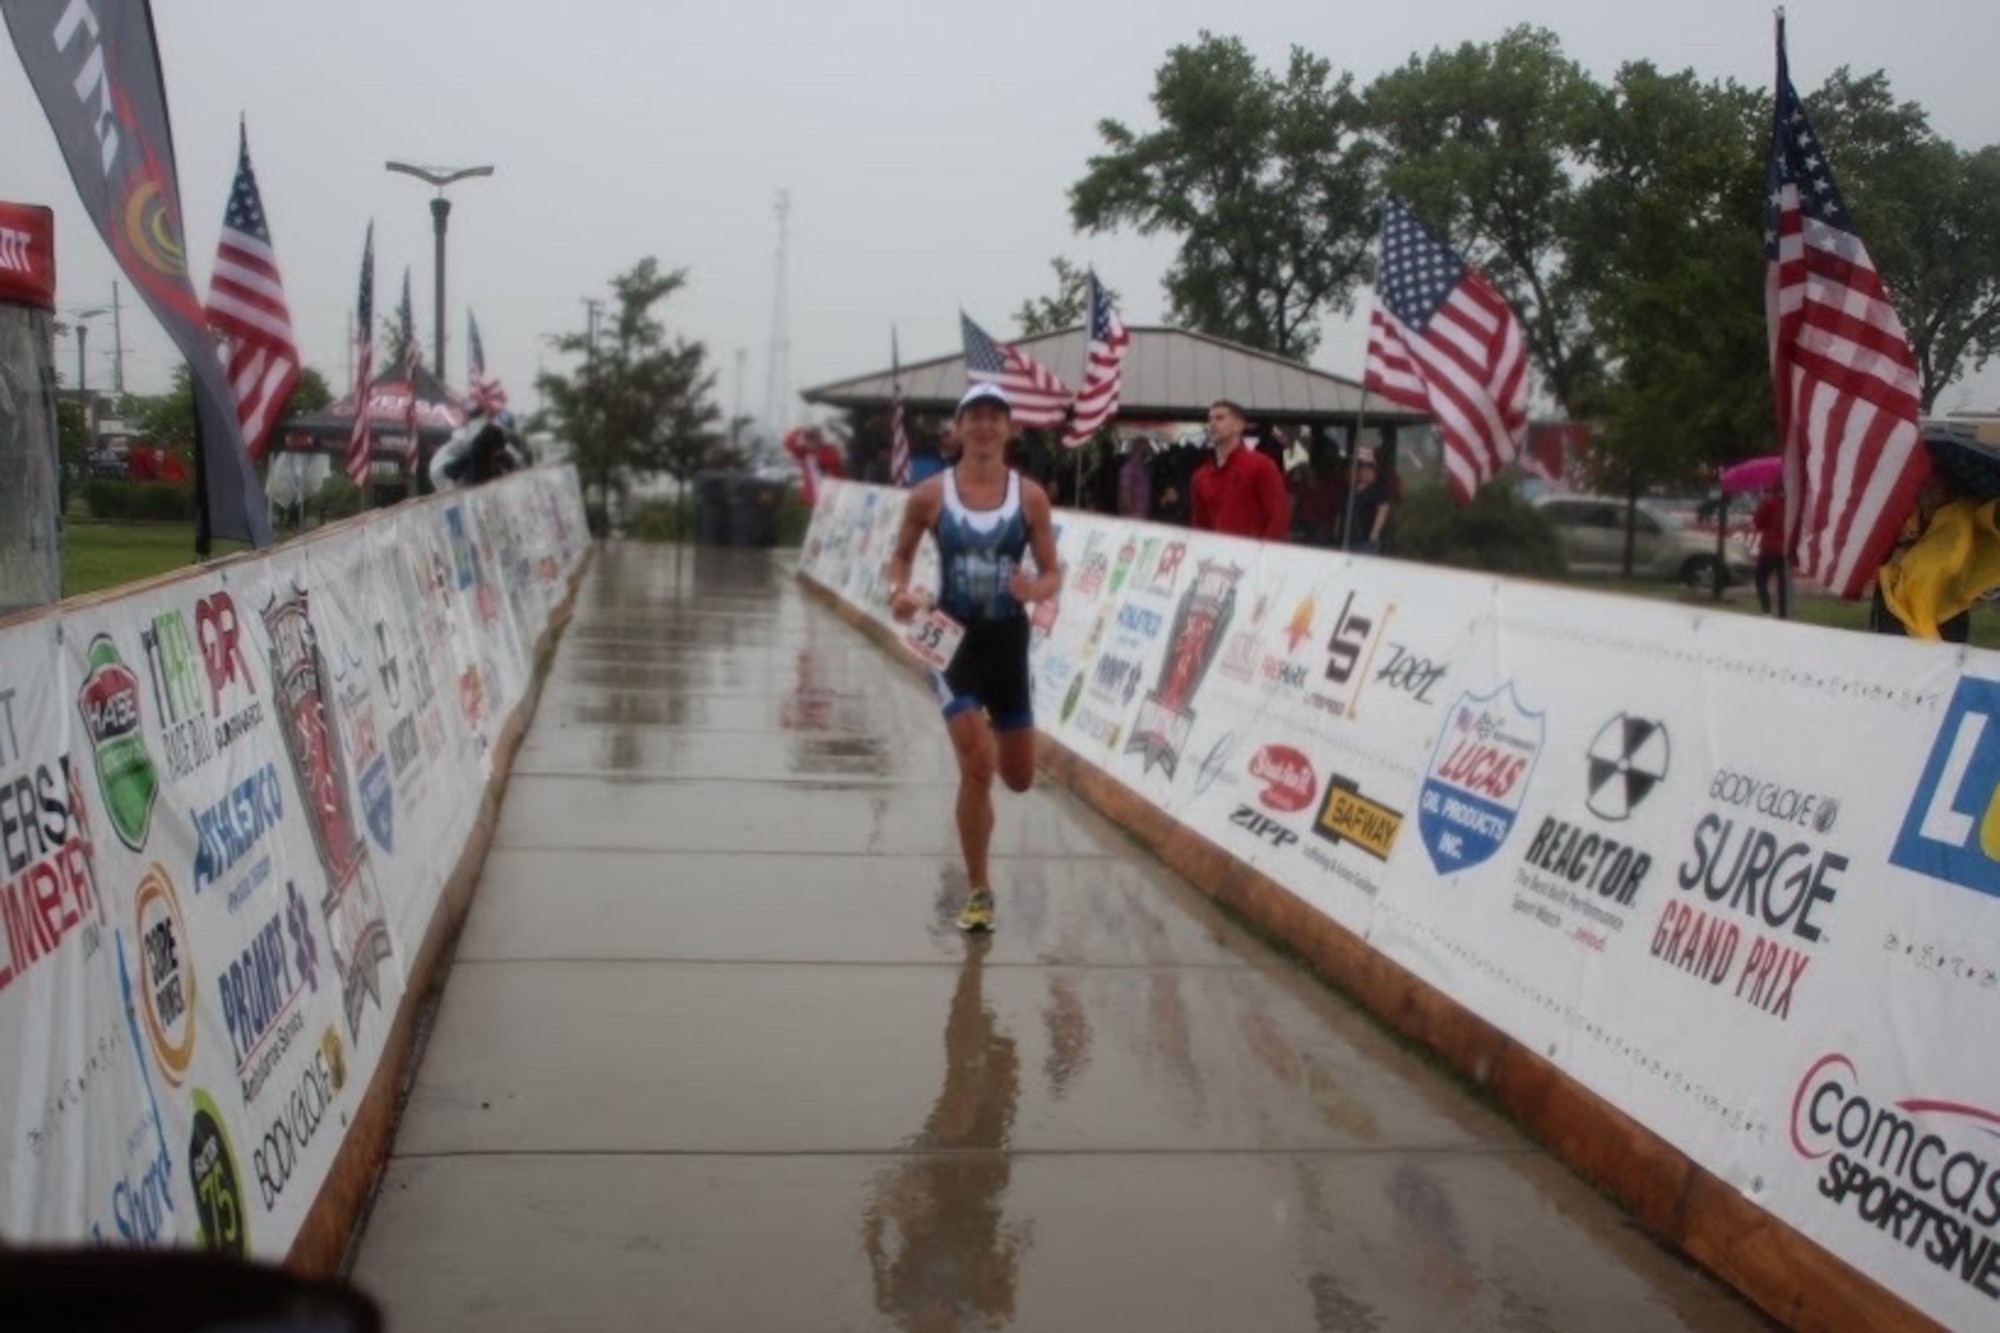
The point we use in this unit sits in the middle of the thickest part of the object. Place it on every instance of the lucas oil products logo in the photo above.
(1478, 777)
(1951, 831)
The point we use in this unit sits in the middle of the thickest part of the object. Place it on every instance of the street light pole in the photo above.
(440, 213)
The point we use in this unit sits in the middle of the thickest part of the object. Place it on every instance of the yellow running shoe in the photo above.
(977, 914)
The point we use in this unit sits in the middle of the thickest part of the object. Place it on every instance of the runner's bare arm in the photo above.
(919, 513)
(1047, 581)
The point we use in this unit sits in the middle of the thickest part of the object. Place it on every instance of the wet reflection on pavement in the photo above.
(712, 1055)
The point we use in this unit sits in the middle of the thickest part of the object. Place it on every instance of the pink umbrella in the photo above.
(1753, 474)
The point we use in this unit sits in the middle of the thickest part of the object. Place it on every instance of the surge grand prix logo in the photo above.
(1165, 717)
(1921, 1170)
(1478, 777)
(1951, 831)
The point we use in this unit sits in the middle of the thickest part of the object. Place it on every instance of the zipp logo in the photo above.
(1263, 826)
(1951, 830)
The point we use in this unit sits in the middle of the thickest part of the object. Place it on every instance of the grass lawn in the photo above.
(104, 555)
(1807, 608)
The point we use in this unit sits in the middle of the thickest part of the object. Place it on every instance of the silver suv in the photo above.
(1592, 530)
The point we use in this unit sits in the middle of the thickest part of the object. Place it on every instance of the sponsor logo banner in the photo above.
(1478, 777)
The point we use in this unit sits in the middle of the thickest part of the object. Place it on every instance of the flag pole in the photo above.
(1353, 461)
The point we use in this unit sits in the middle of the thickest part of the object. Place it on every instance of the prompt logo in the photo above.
(1952, 828)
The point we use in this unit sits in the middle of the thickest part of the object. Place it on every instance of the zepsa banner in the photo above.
(1741, 879)
(228, 806)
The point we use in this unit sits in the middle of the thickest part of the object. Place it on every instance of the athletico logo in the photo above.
(1917, 1169)
(1478, 778)
(166, 975)
(1288, 778)
(1347, 816)
(1951, 830)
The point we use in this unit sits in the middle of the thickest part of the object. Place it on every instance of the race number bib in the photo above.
(933, 637)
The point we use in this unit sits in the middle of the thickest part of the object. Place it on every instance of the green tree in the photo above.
(1667, 242)
(1929, 214)
(640, 404)
(1483, 142)
(1069, 307)
(165, 420)
(310, 394)
(1266, 180)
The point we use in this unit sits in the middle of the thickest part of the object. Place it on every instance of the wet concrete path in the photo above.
(712, 1057)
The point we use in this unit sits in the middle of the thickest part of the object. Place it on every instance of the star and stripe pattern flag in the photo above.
(246, 305)
(1843, 375)
(1104, 359)
(1443, 340)
(364, 363)
(413, 357)
(487, 393)
(899, 436)
(1037, 396)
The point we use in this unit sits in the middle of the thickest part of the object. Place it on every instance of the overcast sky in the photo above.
(927, 149)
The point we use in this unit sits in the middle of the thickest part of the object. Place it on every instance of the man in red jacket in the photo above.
(1240, 492)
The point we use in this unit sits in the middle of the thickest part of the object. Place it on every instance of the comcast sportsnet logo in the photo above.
(1924, 1171)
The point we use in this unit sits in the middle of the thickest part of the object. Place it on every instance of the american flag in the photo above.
(899, 437)
(1097, 400)
(246, 305)
(413, 356)
(487, 392)
(1036, 395)
(1443, 341)
(364, 363)
(1844, 378)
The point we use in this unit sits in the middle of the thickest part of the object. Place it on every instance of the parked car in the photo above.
(1592, 531)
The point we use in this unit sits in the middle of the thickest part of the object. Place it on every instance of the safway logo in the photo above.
(1951, 830)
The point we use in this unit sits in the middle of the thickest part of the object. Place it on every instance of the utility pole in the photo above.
(118, 348)
(777, 389)
(736, 417)
(591, 305)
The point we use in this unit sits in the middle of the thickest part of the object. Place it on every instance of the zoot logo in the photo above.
(1165, 717)
(1478, 777)
(1410, 673)
(1951, 830)
(1918, 1169)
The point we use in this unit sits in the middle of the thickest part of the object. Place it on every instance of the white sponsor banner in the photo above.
(1741, 879)
(228, 805)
